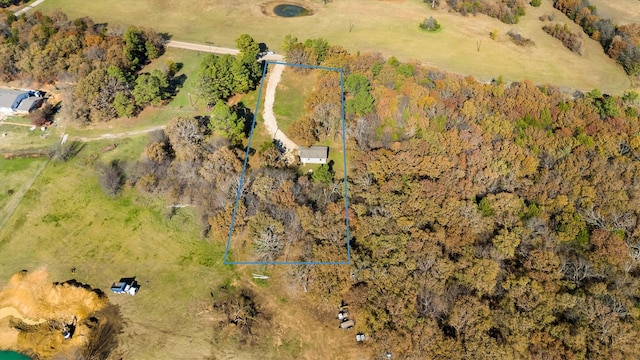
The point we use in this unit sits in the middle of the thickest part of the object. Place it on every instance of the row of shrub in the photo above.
(621, 43)
(7, 3)
(508, 11)
(573, 41)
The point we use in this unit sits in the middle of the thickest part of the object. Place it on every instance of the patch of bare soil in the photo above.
(67, 320)
(267, 8)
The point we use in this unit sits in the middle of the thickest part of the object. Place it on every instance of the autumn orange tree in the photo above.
(102, 66)
(497, 220)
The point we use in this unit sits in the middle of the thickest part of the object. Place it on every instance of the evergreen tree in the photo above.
(226, 121)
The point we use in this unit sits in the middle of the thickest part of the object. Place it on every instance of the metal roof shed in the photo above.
(314, 154)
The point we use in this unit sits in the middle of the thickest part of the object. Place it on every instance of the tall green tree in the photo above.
(360, 102)
(125, 106)
(215, 79)
(249, 50)
(134, 47)
(150, 88)
(226, 121)
(319, 47)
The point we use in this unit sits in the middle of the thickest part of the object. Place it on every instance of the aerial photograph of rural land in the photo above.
(319, 179)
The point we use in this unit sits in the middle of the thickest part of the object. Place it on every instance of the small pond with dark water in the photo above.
(290, 10)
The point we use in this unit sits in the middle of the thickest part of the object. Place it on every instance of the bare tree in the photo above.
(112, 178)
(578, 269)
(269, 244)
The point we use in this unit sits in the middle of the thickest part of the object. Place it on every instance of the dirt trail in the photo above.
(118, 135)
(28, 7)
(2, 122)
(11, 311)
(215, 49)
(268, 115)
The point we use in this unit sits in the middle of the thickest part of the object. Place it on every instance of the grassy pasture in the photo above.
(619, 11)
(66, 221)
(390, 28)
(17, 175)
(23, 138)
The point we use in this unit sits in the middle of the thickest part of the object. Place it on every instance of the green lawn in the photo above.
(292, 90)
(66, 221)
(388, 27)
(22, 138)
(17, 175)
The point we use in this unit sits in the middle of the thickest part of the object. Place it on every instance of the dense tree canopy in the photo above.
(220, 77)
(101, 64)
(489, 219)
(492, 221)
(7, 3)
(508, 11)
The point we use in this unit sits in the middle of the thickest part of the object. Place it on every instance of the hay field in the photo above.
(619, 11)
(388, 27)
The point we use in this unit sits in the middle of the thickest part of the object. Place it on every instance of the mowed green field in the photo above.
(291, 93)
(388, 27)
(16, 175)
(66, 221)
(22, 138)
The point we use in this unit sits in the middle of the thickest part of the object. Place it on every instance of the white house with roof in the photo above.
(19, 101)
(314, 154)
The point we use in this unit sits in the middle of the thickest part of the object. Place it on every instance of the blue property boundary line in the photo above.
(244, 169)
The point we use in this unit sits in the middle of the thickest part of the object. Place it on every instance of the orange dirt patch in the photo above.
(33, 312)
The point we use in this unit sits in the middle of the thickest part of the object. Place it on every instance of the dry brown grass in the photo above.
(618, 11)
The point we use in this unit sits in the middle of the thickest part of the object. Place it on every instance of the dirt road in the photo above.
(215, 49)
(201, 47)
(28, 7)
(14, 123)
(268, 115)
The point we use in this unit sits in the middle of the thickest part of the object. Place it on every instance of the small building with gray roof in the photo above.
(314, 154)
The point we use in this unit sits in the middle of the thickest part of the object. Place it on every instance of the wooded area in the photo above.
(98, 64)
(7, 3)
(491, 220)
(508, 11)
(488, 220)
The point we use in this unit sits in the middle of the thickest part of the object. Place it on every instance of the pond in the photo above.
(290, 10)
(10, 355)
